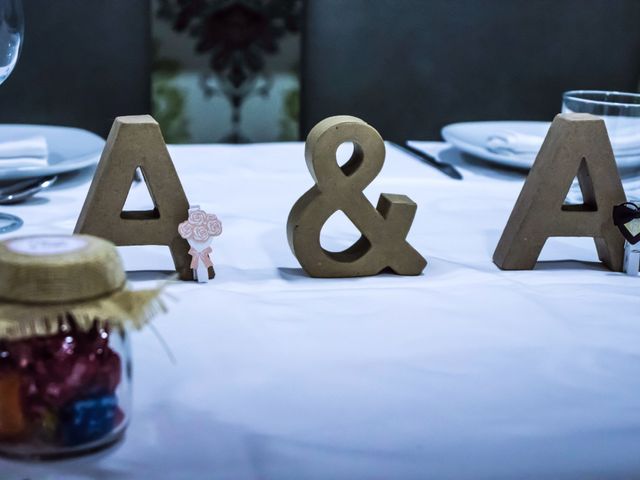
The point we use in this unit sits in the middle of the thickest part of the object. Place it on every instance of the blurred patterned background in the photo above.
(226, 70)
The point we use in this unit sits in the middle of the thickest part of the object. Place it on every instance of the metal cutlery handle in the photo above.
(444, 167)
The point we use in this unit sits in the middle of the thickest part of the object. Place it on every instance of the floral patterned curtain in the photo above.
(226, 70)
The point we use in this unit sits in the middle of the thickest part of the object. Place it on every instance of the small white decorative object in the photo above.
(631, 258)
(199, 230)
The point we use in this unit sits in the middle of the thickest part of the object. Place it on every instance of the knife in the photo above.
(444, 167)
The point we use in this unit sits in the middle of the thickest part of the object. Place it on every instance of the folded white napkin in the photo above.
(515, 143)
(25, 152)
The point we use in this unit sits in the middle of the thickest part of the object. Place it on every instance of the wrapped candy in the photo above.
(12, 418)
(88, 419)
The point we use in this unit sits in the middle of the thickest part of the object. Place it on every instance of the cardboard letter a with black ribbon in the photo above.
(577, 145)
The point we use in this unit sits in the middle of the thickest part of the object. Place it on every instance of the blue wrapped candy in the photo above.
(88, 419)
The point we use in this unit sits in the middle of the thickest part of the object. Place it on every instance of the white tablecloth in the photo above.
(465, 372)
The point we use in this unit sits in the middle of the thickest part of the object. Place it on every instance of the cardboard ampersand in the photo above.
(384, 229)
(136, 141)
(577, 144)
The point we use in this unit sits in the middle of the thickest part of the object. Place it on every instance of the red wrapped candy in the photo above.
(44, 375)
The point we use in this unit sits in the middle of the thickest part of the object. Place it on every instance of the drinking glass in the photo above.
(621, 114)
(11, 38)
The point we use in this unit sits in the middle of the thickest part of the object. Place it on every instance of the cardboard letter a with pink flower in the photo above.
(199, 230)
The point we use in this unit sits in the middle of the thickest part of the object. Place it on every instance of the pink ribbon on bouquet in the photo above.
(202, 256)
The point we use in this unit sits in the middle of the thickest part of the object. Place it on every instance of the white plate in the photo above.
(69, 149)
(471, 138)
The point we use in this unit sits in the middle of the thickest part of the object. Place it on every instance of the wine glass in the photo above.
(11, 38)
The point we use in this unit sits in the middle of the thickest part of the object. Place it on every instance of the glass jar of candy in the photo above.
(66, 393)
(65, 363)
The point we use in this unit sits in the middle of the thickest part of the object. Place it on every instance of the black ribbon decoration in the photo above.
(623, 214)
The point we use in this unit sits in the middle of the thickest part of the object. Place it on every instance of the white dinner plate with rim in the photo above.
(70, 149)
(471, 138)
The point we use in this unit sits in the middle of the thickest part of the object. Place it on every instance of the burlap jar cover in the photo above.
(48, 281)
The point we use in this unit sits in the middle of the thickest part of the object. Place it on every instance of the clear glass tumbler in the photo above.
(621, 114)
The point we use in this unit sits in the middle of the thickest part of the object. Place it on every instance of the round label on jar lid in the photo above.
(46, 245)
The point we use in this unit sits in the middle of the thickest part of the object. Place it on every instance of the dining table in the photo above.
(463, 372)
